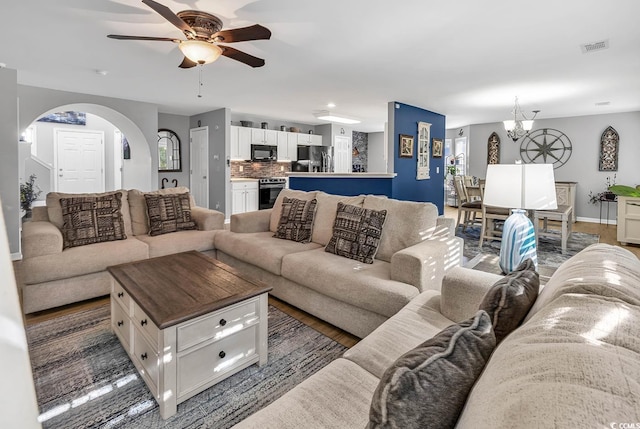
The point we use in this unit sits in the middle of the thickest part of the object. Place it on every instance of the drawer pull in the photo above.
(120, 294)
(222, 354)
(143, 356)
(120, 323)
(143, 322)
(223, 322)
(633, 204)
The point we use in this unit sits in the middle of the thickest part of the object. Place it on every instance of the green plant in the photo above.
(29, 192)
(606, 194)
(625, 191)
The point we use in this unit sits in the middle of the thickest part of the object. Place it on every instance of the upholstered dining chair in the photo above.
(470, 209)
(490, 216)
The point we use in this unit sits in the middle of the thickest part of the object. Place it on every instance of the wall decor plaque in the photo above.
(424, 155)
(493, 149)
(609, 150)
(546, 146)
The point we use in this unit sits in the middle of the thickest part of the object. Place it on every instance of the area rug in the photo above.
(549, 249)
(84, 378)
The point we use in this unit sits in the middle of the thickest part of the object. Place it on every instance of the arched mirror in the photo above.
(168, 151)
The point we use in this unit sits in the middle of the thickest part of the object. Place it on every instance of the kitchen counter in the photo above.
(343, 183)
(320, 175)
(243, 179)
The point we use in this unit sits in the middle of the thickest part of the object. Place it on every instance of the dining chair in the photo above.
(470, 209)
(490, 217)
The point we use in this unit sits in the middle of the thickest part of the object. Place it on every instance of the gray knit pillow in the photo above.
(428, 386)
(510, 298)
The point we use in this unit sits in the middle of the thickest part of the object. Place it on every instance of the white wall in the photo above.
(9, 190)
(585, 133)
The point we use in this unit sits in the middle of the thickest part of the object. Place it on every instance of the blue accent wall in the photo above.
(339, 186)
(405, 186)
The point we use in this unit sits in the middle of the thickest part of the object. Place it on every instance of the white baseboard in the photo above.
(16, 256)
(596, 220)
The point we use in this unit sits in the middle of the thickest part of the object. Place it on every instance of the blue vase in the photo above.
(518, 241)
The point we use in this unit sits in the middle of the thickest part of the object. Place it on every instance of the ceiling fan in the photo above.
(204, 33)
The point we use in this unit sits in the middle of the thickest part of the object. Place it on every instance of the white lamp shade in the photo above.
(527, 125)
(509, 125)
(199, 51)
(520, 186)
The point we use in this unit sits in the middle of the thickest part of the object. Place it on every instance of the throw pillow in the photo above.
(510, 298)
(356, 232)
(296, 220)
(91, 219)
(428, 386)
(168, 213)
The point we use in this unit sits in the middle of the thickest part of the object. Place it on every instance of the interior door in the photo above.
(199, 162)
(79, 161)
(117, 159)
(342, 157)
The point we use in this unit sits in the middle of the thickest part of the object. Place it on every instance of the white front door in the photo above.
(199, 161)
(79, 161)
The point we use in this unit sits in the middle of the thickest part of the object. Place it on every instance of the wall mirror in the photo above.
(168, 151)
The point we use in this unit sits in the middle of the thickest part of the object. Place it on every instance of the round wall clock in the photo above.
(546, 146)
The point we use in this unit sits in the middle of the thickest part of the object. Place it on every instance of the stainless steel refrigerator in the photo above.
(313, 159)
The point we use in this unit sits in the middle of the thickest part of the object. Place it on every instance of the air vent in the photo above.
(595, 46)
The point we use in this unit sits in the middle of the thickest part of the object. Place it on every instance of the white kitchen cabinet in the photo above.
(628, 220)
(342, 156)
(244, 196)
(240, 143)
(264, 137)
(287, 146)
(309, 139)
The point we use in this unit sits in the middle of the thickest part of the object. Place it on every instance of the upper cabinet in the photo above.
(240, 143)
(264, 137)
(309, 139)
(287, 146)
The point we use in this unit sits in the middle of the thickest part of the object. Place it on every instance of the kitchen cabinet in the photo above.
(309, 139)
(287, 146)
(628, 220)
(240, 143)
(263, 137)
(342, 156)
(244, 196)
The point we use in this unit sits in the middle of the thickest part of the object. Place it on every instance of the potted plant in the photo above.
(607, 194)
(29, 192)
(625, 191)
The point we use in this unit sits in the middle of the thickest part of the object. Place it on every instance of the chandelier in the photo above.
(519, 126)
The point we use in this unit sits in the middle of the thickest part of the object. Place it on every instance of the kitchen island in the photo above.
(343, 183)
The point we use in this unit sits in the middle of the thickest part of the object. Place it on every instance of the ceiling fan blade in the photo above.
(187, 63)
(243, 57)
(160, 39)
(167, 14)
(254, 32)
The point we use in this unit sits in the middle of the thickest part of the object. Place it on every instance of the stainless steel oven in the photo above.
(268, 190)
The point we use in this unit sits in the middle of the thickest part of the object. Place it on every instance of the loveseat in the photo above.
(416, 248)
(52, 276)
(574, 361)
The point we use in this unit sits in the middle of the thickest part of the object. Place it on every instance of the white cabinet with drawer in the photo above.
(628, 220)
(244, 196)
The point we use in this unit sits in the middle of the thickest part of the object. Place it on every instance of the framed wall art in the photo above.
(424, 153)
(609, 150)
(493, 149)
(406, 146)
(437, 148)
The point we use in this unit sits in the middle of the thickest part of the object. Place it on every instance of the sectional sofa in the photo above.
(417, 247)
(574, 362)
(52, 277)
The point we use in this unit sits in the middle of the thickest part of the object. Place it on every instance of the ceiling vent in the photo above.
(595, 46)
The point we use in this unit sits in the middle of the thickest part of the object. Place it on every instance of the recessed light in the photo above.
(331, 105)
(326, 115)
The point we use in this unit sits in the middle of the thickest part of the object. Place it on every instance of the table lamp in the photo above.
(519, 187)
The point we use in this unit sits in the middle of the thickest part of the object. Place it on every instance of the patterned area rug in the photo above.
(549, 249)
(84, 378)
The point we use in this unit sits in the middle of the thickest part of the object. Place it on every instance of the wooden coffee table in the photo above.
(187, 322)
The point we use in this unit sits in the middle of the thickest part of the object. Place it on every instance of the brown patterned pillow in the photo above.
(169, 213)
(88, 220)
(356, 232)
(296, 220)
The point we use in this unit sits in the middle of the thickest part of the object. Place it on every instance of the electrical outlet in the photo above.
(437, 170)
(282, 168)
(217, 205)
(241, 169)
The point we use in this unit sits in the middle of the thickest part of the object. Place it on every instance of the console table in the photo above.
(187, 322)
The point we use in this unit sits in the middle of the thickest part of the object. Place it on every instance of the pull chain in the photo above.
(200, 81)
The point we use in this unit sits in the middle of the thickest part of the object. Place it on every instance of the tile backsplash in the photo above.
(259, 169)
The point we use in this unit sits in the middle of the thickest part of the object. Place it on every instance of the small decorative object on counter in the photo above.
(310, 131)
(246, 124)
(283, 128)
(264, 125)
(294, 129)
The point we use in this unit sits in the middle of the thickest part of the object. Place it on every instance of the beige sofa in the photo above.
(416, 249)
(52, 277)
(574, 362)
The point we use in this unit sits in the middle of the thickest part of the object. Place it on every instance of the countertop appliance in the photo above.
(312, 159)
(263, 152)
(268, 190)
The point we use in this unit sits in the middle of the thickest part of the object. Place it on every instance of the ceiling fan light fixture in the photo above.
(199, 51)
(326, 115)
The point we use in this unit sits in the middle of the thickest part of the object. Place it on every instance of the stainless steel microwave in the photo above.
(264, 152)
